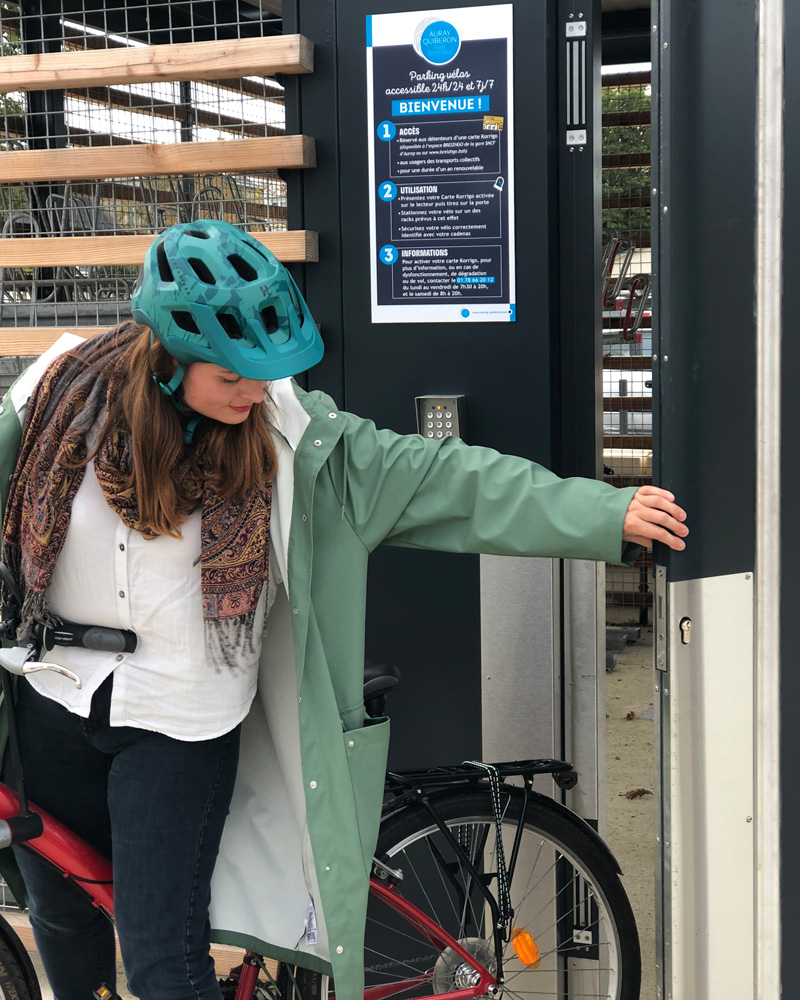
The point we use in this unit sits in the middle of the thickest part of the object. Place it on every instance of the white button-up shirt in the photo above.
(107, 574)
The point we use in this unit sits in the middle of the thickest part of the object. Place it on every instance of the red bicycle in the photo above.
(480, 887)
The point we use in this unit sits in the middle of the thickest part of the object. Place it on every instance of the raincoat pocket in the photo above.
(367, 751)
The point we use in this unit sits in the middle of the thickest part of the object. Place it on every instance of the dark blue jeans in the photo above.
(157, 807)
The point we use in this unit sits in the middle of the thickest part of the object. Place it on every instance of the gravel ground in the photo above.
(631, 768)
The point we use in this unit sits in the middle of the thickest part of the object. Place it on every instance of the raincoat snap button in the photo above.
(2, 408)
(351, 743)
(327, 868)
(305, 517)
(313, 784)
(317, 443)
(332, 416)
(294, 611)
(339, 950)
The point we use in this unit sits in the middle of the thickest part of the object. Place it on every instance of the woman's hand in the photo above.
(652, 516)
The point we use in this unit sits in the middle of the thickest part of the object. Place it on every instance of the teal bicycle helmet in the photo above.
(211, 292)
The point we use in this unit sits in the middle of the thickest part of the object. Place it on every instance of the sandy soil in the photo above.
(631, 767)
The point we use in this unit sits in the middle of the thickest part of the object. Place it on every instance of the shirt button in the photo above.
(122, 593)
(121, 547)
(120, 657)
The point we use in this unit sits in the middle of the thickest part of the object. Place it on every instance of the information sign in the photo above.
(441, 156)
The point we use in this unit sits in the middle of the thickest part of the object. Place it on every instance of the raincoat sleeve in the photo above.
(406, 490)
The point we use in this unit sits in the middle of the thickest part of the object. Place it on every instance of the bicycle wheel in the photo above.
(564, 892)
(17, 977)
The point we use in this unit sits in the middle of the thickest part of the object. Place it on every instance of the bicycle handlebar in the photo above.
(18, 660)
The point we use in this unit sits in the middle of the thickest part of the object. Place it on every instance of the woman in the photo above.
(172, 480)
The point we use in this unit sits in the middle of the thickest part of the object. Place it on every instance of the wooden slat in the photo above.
(63, 251)
(625, 161)
(627, 79)
(78, 41)
(27, 341)
(612, 119)
(153, 63)
(155, 158)
(635, 597)
(628, 363)
(626, 201)
(630, 404)
(623, 481)
(628, 441)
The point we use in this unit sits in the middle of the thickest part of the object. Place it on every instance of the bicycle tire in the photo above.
(18, 980)
(565, 891)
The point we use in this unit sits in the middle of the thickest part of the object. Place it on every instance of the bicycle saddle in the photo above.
(379, 680)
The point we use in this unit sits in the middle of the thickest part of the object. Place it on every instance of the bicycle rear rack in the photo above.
(561, 770)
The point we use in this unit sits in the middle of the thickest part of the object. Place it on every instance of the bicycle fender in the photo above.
(409, 800)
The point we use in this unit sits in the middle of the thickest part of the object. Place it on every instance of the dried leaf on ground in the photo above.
(635, 793)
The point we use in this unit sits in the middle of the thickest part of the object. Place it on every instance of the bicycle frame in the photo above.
(92, 873)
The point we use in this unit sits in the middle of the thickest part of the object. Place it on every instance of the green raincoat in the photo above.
(292, 877)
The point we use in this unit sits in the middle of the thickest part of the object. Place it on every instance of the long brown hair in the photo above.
(236, 458)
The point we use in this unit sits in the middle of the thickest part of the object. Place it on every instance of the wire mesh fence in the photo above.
(627, 312)
(124, 115)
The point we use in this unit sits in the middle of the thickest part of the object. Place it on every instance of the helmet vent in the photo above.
(202, 271)
(270, 318)
(185, 321)
(242, 268)
(164, 270)
(230, 325)
(197, 233)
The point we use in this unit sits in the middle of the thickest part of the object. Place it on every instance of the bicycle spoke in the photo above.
(421, 939)
(392, 961)
(432, 908)
(554, 895)
(438, 861)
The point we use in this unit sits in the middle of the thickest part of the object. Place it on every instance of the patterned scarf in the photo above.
(65, 406)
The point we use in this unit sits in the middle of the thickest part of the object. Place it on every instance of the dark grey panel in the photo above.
(705, 430)
(530, 386)
(790, 490)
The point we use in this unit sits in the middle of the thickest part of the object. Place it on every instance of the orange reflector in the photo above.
(525, 947)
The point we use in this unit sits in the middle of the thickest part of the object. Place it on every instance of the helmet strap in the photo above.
(170, 388)
(189, 432)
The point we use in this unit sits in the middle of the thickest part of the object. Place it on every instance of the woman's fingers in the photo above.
(653, 516)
